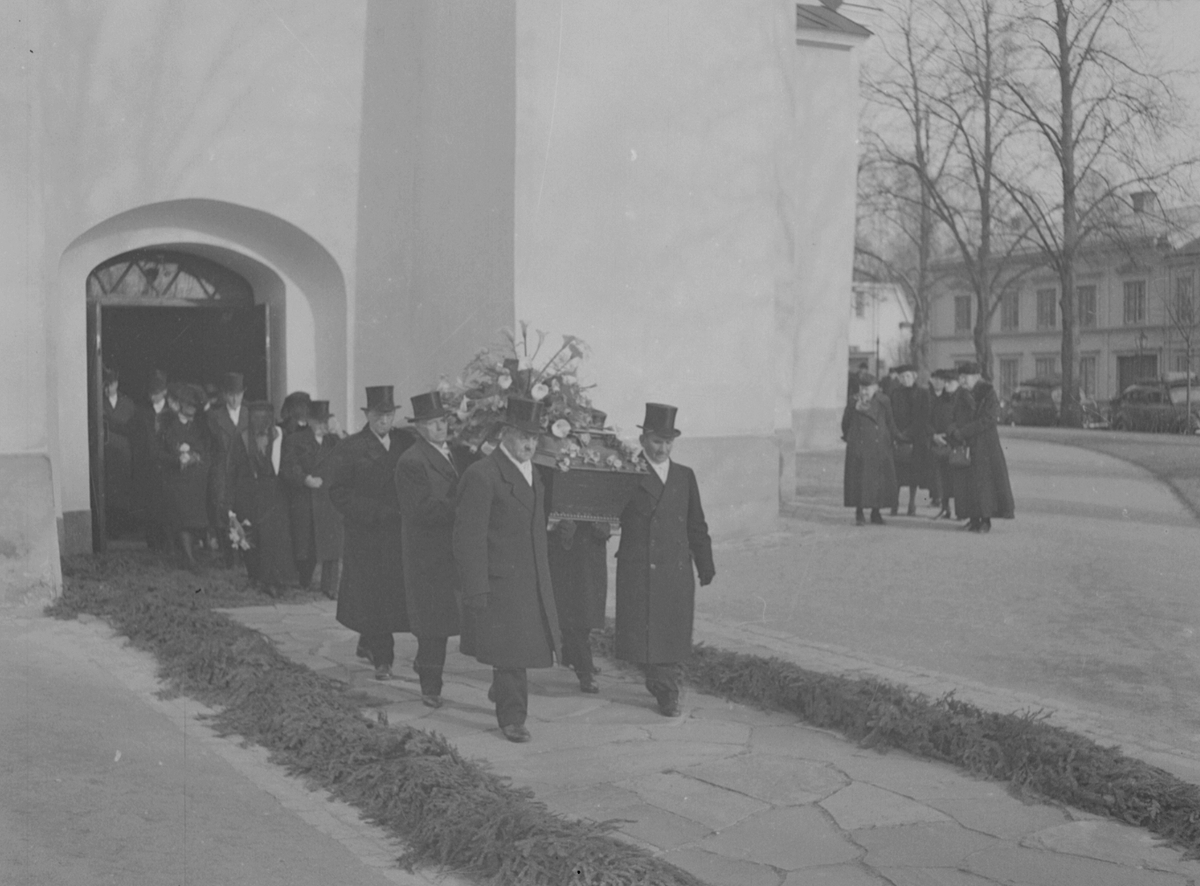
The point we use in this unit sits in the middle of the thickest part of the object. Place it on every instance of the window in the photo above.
(1184, 295)
(860, 303)
(1047, 309)
(1085, 306)
(1181, 362)
(1087, 376)
(962, 313)
(1010, 375)
(1135, 302)
(1045, 367)
(1010, 311)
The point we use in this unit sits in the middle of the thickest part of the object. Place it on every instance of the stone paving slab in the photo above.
(741, 796)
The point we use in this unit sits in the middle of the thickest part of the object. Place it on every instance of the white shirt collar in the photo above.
(661, 469)
(386, 441)
(113, 401)
(525, 467)
(234, 414)
(158, 406)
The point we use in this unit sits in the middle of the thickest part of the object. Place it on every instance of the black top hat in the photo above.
(427, 407)
(660, 419)
(379, 399)
(256, 407)
(865, 380)
(524, 415)
(158, 382)
(110, 376)
(318, 410)
(233, 383)
(296, 397)
(597, 418)
(903, 368)
(967, 368)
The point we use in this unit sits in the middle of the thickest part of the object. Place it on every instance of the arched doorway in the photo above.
(168, 310)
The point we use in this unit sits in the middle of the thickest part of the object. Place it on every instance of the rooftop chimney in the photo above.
(1144, 201)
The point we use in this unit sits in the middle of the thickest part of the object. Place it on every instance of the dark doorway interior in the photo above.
(195, 345)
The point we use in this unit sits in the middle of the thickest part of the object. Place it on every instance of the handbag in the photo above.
(940, 451)
(960, 457)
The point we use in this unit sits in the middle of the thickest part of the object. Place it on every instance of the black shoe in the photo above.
(860, 519)
(383, 673)
(588, 684)
(986, 525)
(515, 733)
(669, 707)
(431, 701)
(362, 652)
(877, 518)
(492, 694)
(975, 526)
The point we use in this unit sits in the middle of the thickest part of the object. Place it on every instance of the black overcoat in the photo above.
(869, 477)
(315, 523)
(363, 489)
(146, 436)
(118, 452)
(185, 489)
(259, 496)
(500, 551)
(911, 413)
(427, 488)
(989, 491)
(962, 411)
(663, 535)
(227, 446)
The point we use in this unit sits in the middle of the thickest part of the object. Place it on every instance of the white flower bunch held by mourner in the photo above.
(237, 533)
(186, 456)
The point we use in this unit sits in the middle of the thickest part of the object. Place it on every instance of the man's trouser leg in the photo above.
(510, 686)
(430, 660)
(330, 570)
(577, 650)
(663, 682)
(382, 648)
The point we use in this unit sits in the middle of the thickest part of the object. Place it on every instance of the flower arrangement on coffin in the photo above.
(596, 469)
(238, 533)
(576, 435)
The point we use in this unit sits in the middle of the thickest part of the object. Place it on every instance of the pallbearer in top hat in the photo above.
(361, 481)
(663, 534)
(500, 550)
(315, 524)
(227, 425)
(426, 487)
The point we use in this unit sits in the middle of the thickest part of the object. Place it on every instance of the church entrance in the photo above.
(156, 309)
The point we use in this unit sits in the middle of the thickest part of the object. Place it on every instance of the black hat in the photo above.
(233, 383)
(190, 395)
(427, 407)
(865, 380)
(903, 368)
(296, 397)
(943, 374)
(597, 418)
(318, 410)
(256, 407)
(158, 382)
(524, 415)
(660, 419)
(967, 369)
(110, 376)
(379, 399)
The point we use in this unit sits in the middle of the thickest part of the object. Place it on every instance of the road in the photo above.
(1090, 596)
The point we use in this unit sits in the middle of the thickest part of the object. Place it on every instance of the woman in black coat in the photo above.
(989, 491)
(315, 523)
(261, 499)
(185, 457)
(910, 411)
(869, 479)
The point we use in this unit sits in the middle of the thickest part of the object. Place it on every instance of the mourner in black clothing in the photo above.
(261, 499)
(910, 411)
(664, 547)
(941, 413)
(869, 476)
(293, 414)
(146, 439)
(362, 487)
(227, 423)
(427, 487)
(185, 457)
(990, 494)
(119, 428)
(316, 525)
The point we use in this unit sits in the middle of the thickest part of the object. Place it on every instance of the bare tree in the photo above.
(1184, 320)
(1096, 107)
(949, 59)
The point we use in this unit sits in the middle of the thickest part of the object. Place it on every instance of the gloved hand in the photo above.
(706, 578)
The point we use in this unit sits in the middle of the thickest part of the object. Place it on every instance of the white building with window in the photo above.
(880, 326)
(1136, 304)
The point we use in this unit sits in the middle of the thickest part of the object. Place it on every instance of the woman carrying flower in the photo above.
(184, 458)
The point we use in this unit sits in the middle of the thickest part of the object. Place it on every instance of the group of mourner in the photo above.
(432, 539)
(939, 437)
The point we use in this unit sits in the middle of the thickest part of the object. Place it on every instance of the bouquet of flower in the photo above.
(238, 533)
(187, 457)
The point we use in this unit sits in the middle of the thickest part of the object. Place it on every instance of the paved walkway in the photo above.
(741, 796)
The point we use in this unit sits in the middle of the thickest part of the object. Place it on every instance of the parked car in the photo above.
(1038, 401)
(1158, 405)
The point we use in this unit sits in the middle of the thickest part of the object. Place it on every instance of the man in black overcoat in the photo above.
(315, 523)
(146, 439)
(663, 535)
(227, 425)
(427, 488)
(500, 550)
(910, 411)
(362, 487)
(989, 490)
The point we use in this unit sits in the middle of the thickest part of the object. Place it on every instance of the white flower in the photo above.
(523, 363)
(613, 462)
(505, 381)
(539, 391)
(183, 447)
(487, 448)
(464, 408)
(585, 439)
(560, 428)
